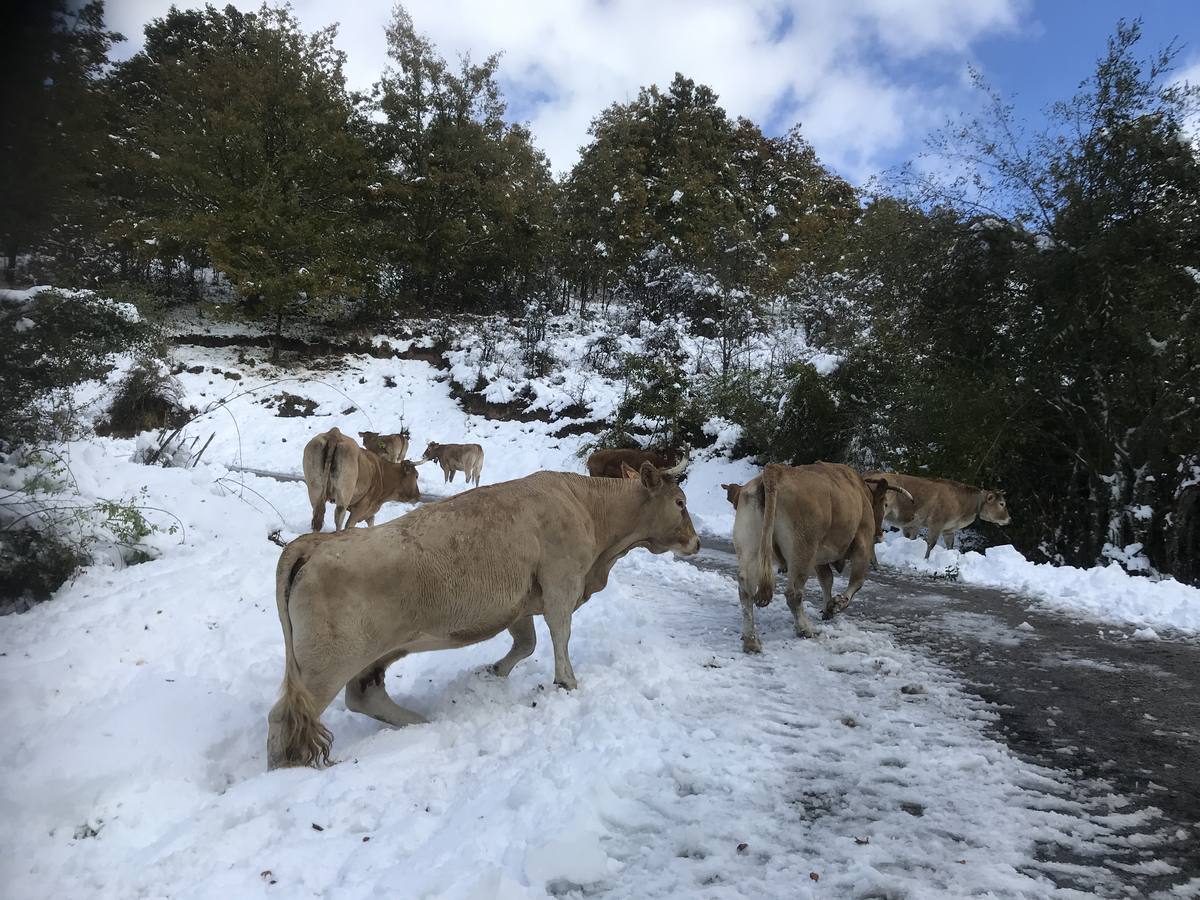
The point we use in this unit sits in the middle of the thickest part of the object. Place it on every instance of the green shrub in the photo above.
(811, 426)
(48, 343)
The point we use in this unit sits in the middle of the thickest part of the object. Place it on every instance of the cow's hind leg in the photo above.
(339, 516)
(366, 694)
(860, 563)
(524, 641)
(750, 639)
(794, 594)
(295, 735)
(948, 538)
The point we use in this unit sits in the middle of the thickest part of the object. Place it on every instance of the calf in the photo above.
(939, 505)
(338, 471)
(807, 519)
(465, 458)
(392, 447)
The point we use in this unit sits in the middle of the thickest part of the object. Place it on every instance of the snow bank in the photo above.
(1106, 592)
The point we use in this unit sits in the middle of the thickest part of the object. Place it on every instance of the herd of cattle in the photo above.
(462, 570)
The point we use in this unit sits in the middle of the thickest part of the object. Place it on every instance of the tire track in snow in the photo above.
(1072, 833)
(813, 758)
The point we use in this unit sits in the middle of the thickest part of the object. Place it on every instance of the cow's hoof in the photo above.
(567, 685)
(752, 645)
(805, 632)
(835, 606)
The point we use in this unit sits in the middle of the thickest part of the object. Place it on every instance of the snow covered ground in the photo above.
(135, 704)
(1102, 592)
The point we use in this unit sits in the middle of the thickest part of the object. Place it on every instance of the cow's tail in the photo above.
(329, 463)
(763, 585)
(296, 736)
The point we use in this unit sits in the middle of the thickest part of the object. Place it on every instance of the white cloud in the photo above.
(840, 67)
(1191, 76)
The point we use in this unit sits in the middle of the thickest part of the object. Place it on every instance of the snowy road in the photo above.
(1115, 715)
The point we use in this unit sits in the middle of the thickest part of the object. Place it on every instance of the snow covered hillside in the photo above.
(136, 701)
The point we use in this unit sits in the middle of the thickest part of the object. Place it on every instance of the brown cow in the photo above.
(607, 463)
(338, 471)
(941, 506)
(878, 486)
(465, 458)
(447, 575)
(806, 518)
(392, 447)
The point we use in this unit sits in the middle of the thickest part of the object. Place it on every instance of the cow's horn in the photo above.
(421, 462)
(677, 468)
(898, 489)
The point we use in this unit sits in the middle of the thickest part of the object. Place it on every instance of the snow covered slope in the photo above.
(135, 706)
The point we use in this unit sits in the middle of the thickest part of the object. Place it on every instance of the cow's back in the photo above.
(937, 500)
(827, 504)
(607, 463)
(457, 557)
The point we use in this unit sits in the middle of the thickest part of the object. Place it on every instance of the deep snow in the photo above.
(136, 700)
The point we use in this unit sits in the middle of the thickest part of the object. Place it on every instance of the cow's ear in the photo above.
(629, 472)
(991, 495)
(650, 476)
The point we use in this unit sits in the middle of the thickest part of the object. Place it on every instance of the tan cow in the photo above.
(338, 471)
(447, 575)
(392, 447)
(941, 506)
(808, 519)
(607, 463)
(465, 458)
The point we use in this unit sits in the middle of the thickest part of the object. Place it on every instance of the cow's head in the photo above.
(432, 451)
(405, 484)
(879, 496)
(884, 500)
(665, 518)
(373, 441)
(994, 508)
(732, 492)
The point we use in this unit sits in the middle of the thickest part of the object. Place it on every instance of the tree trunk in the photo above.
(278, 336)
(10, 268)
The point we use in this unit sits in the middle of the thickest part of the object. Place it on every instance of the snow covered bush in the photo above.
(49, 341)
(147, 398)
(49, 529)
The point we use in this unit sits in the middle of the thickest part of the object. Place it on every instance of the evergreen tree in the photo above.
(465, 208)
(50, 129)
(686, 211)
(237, 141)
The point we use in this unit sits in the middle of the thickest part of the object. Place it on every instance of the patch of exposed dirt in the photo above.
(290, 406)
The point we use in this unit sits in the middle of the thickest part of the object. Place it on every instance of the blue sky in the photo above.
(867, 79)
(1062, 42)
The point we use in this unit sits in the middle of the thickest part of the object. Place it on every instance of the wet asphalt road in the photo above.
(1115, 714)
